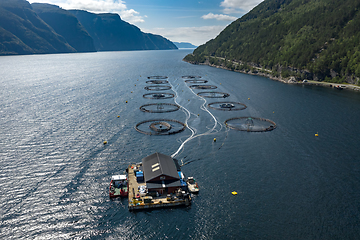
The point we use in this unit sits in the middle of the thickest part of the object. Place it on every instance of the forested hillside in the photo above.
(315, 39)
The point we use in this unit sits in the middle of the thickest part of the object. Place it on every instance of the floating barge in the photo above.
(156, 182)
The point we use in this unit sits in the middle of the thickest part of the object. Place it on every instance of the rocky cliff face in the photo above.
(67, 25)
(110, 33)
(43, 28)
(22, 31)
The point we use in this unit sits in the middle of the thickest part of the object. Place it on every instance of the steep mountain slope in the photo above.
(317, 39)
(65, 24)
(110, 33)
(23, 32)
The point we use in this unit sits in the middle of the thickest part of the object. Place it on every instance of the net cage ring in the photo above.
(158, 95)
(196, 81)
(159, 107)
(213, 94)
(160, 127)
(227, 106)
(191, 76)
(157, 81)
(251, 124)
(157, 77)
(157, 88)
(202, 86)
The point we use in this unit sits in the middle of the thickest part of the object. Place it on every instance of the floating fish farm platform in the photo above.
(141, 197)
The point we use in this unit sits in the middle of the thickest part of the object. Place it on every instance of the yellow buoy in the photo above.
(273, 112)
(248, 98)
(118, 116)
(220, 83)
(234, 193)
(105, 142)
(214, 139)
(126, 101)
(131, 91)
(316, 134)
(198, 114)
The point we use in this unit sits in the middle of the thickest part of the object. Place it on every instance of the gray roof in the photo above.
(158, 164)
(177, 183)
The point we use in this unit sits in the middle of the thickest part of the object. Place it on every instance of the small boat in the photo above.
(192, 185)
(339, 87)
(118, 186)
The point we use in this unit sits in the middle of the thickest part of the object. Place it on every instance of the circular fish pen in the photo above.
(191, 76)
(160, 127)
(202, 87)
(157, 77)
(227, 106)
(196, 81)
(157, 88)
(158, 95)
(250, 124)
(213, 94)
(157, 81)
(159, 107)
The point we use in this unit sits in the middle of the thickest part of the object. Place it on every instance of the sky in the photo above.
(179, 21)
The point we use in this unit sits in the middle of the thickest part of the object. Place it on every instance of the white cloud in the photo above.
(235, 6)
(194, 35)
(99, 6)
(219, 17)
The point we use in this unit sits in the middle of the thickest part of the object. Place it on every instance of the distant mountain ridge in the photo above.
(303, 39)
(184, 45)
(44, 28)
(110, 33)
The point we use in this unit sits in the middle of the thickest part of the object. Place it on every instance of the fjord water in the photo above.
(56, 111)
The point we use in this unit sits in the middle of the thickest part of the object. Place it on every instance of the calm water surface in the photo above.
(56, 111)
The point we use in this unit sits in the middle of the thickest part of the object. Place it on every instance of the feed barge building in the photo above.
(157, 182)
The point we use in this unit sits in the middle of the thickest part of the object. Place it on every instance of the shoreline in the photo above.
(290, 80)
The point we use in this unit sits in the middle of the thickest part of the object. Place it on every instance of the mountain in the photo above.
(22, 31)
(314, 39)
(110, 33)
(184, 45)
(44, 28)
(65, 24)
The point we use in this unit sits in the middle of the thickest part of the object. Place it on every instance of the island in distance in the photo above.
(41, 28)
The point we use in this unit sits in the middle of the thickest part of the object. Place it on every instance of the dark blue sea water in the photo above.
(56, 111)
